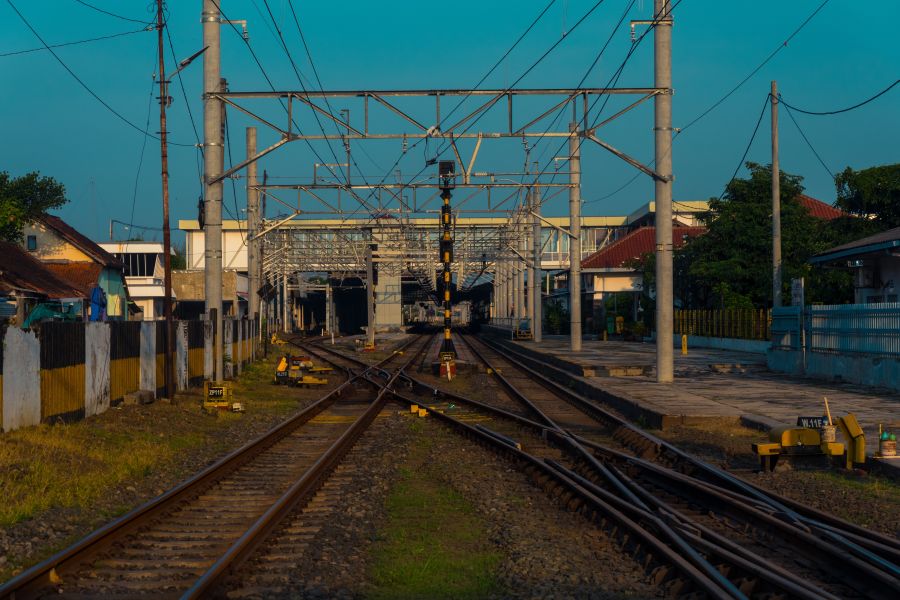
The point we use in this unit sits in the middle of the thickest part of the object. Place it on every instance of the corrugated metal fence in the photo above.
(850, 329)
(66, 371)
(747, 324)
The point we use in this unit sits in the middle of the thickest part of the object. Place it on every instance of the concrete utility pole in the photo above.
(520, 276)
(535, 283)
(662, 46)
(575, 239)
(370, 298)
(776, 203)
(168, 360)
(252, 226)
(213, 165)
(285, 295)
(529, 201)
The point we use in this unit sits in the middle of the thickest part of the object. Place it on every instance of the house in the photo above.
(26, 283)
(875, 263)
(144, 274)
(79, 261)
(190, 289)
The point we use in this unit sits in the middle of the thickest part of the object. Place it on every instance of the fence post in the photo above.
(148, 356)
(181, 355)
(96, 368)
(21, 379)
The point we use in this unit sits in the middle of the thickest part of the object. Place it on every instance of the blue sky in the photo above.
(52, 125)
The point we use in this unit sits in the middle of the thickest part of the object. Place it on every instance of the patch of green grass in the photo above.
(433, 544)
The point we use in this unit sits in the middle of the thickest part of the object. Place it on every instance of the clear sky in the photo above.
(51, 124)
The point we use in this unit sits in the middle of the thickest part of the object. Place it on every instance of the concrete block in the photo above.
(139, 397)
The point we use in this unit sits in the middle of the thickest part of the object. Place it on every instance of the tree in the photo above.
(23, 199)
(872, 193)
(730, 266)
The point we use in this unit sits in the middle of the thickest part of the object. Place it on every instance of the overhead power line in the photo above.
(81, 82)
(806, 139)
(756, 70)
(111, 14)
(749, 144)
(841, 110)
(77, 42)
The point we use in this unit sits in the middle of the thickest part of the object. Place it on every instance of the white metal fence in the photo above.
(851, 329)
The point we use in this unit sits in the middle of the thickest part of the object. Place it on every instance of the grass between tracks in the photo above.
(90, 471)
(433, 544)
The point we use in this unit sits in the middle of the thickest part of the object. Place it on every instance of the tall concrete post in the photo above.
(285, 296)
(252, 227)
(662, 45)
(575, 239)
(526, 249)
(370, 298)
(329, 308)
(213, 165)
(535, 281)
(776, 203)
(520, 274)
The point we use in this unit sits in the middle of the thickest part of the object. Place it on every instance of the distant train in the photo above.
(432, 314)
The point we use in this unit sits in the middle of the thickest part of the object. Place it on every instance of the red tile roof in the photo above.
(80, 241)
(82, 276)
(19, 271)
(634, 245)
(819, 209)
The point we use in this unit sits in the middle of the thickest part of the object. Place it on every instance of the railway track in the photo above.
(717, 514)
(694, 533)
(186, 542)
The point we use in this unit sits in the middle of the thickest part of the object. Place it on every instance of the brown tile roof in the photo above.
(83, 243)
(82, 276)
(818, 209)
(634, 245)
(19, 271)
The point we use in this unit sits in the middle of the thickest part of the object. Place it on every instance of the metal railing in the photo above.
(870, 329)
(748, 324)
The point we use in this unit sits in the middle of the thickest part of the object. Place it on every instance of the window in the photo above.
(32, 243)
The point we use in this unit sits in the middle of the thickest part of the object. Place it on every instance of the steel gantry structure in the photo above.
(382, 215)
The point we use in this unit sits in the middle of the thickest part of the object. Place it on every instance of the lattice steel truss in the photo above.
(402, 217)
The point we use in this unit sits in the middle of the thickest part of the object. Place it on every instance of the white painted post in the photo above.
(208, 349)
(148, 357)
(96, 368)
(181, 355)
(21, 379)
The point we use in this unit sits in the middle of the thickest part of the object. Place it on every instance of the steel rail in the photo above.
(658, 548)
(300, 491)
(877, 551)
(28, 583)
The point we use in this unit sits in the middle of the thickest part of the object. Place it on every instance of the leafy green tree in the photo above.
(23, 199)
(872, 193)
(730, 266)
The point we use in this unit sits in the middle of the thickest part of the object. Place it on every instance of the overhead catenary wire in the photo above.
(840, 110)
(137, 175)
(725, 96)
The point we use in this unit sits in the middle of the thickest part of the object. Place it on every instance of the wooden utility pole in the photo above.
(169, 355)
(776, 203)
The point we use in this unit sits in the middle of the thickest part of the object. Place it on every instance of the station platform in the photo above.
(710, 385)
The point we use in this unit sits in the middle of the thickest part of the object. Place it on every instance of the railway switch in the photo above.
(811, 438)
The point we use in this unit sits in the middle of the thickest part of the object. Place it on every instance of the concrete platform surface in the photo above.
(712, 384)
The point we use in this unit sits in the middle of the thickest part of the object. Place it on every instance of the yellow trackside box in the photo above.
(792, 437)
(217, 394)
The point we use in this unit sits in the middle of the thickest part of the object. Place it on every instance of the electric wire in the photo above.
(840, 110)
(747, 149)
(808, 143)
(76, 42)
(81, 82)
(137, 175)
(199, 143)
(111, 14)
(728, 94)
(765, 61)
